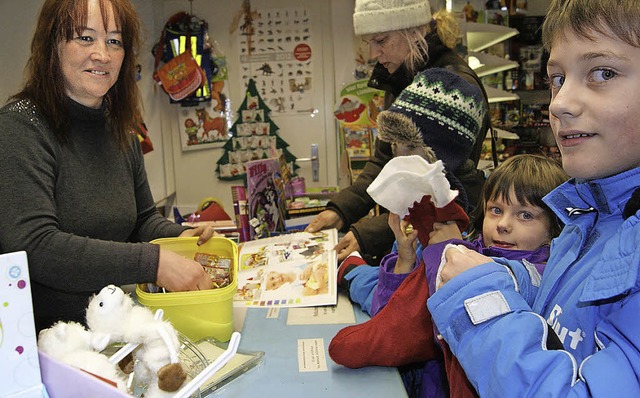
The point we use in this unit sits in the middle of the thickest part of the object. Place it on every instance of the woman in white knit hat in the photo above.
(406, 39)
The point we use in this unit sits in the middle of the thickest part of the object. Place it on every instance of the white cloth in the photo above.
(405, 180)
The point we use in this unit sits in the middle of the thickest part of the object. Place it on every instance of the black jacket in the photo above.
(352, 204)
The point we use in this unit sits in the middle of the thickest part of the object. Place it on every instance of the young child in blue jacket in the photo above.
(512, 222)
(577, 333)
(520, 181)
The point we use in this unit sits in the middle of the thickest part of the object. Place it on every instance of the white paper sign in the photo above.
(311, 355)
(342, 313)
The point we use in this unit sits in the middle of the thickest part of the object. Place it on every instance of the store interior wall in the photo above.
(190, 175)
(186, 177)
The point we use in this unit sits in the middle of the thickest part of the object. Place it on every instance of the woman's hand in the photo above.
(324, 220)
(458, 260)
(406, 239)
(204, 233)
(347, 245)
(179, 274)
(444, 231)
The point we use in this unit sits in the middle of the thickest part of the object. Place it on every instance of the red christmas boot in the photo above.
(400, 334)
(424, 213)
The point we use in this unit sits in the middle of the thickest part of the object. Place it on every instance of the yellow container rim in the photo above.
(192, 297)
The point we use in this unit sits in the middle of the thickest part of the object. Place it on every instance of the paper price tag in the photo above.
(311, 355)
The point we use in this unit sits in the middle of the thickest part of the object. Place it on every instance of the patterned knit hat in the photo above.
(377, 16)
(439, 109)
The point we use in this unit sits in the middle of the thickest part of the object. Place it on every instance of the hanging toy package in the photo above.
(184, 51)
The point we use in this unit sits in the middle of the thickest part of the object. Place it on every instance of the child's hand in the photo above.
(406, 239)
(444, 231)
(459, 260)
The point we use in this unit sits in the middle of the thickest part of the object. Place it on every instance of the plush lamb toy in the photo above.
(112, 316)
(70, 343)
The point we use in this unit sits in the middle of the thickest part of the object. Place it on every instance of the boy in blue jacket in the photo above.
(577, 334)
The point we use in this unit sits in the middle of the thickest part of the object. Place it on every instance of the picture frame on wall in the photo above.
(202, 127)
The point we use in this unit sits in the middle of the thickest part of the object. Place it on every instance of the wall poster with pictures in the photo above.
(253, 136)
(202, 127)
(276, 53)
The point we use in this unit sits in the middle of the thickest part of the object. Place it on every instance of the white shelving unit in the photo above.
(496, 95)
(481, 36)
(489, 64)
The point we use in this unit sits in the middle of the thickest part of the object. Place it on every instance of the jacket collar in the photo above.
(581, 203)
(606, 196)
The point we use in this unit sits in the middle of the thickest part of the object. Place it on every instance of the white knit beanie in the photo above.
(377, 16)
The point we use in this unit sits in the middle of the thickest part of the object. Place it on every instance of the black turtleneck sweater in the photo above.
(79, 210)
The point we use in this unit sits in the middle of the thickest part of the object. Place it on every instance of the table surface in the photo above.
(278, 374)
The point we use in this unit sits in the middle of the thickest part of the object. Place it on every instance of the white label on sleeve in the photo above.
(486, 306)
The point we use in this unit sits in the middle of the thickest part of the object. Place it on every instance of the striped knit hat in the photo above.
(439, 109)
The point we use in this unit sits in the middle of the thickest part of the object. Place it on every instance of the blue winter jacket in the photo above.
(496, 321)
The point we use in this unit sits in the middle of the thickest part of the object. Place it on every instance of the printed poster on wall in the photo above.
(202, 127)
(357, 110)
(207, 125)
(275, 52)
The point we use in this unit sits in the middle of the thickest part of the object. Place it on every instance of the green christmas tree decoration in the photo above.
(254, 136)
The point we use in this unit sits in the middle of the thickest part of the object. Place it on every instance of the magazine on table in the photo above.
(293, 270)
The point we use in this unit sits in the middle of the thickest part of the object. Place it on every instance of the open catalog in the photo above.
(294, 270)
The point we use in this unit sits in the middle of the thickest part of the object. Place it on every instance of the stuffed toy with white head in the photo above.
(113, 317)
(70, 343)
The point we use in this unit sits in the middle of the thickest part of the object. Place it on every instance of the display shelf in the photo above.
(488, 64)
(497, 95)
(500, 133)
(482, 35)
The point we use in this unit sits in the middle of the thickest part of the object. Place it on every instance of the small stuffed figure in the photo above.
(70, 343)
(113, 317)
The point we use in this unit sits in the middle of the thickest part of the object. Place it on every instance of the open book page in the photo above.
(294, 270)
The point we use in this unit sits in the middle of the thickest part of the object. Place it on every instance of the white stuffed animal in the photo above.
(113, 317)
(70, 343)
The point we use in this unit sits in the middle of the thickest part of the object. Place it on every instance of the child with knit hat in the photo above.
(440, 110)
(435, 117)
(406, 39)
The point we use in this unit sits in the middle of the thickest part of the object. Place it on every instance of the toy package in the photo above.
(267, 180)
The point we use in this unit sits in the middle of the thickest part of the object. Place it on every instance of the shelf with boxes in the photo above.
(482, 37)
(513, 72)
(487, 56)
(528, 81)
